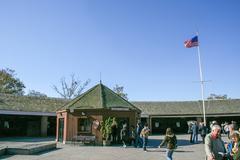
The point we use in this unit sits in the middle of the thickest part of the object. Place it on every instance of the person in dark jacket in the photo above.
(190, 132)
(170, 140)
(139, 141)
(203, 131)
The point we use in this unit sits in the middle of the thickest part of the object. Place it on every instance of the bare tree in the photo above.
(72, 89)
(33, 93)
(119, 90)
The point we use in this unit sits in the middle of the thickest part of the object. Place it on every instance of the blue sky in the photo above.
(137, 44)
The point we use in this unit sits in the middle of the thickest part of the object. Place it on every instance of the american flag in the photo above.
(191, 43)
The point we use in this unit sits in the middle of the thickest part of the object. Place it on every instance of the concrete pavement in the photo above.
(185, 151)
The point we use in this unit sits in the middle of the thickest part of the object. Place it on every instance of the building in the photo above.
(161, 115)
(28, 116)
(82, 116)
(36, 116)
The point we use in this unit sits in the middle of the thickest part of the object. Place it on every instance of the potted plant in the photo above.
(106, 130)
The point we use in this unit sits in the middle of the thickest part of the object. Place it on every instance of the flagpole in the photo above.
(202, 84)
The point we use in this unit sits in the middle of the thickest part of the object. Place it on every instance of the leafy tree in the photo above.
(9, 83)
(34, 93)
(119, 90)
(72, 89)
(106, 128)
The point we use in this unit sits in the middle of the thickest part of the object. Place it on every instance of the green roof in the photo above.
(30, 104)
(229, 106)
(99, 97)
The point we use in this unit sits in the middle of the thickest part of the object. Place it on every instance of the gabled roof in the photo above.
(100, 97)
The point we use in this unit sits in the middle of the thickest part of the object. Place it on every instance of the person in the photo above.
(213, 123)
(114, 131)
(235, 126)
(190, 132)
(132, 136)
(138, 135)
(226, 129)
(203, 131)
(234, 146)
(144, 134)
(195, 133)
(124, 135)
(231, 130)
(170, 141)
(214, 145)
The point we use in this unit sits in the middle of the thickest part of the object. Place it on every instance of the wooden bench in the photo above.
(85, 139)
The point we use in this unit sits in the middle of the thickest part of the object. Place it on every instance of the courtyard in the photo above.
(185, 151)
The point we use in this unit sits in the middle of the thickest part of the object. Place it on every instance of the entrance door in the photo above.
(60, 129)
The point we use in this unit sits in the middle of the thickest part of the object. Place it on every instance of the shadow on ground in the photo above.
(154, 143)
(27, 139)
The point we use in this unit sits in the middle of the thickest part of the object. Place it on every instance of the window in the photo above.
(84, 125)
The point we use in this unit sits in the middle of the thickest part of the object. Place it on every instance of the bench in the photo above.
(85, 139)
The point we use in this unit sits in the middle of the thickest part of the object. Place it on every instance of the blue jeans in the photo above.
(138, 141)
(169, 153)
(195, 138)
(145, 141)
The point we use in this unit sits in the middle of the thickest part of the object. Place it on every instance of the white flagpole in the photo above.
(202, 84)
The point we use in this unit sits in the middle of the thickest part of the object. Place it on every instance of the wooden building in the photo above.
(82, 116)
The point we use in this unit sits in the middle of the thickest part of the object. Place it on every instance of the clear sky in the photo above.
(137, 44)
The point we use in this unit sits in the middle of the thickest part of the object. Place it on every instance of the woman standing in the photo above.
(235, 150)
(170, 140)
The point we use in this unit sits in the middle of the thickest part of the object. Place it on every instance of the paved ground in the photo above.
(185, 151)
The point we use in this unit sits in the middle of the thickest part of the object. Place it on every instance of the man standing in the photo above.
(203, 131)
(195, 133)
(214, 145)
(138, 135)
(145, 133)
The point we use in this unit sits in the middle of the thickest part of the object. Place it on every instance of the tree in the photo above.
(34, 93)
(119, 90)
(72, 89)
(9, 84)
(217, 97)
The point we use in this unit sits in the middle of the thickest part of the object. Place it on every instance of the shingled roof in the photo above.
(99, 97)
(213, 107)
(102, 97)
(10, 102)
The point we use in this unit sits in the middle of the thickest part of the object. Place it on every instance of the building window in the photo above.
(6, 124)
(178, 124)
(84, 125)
